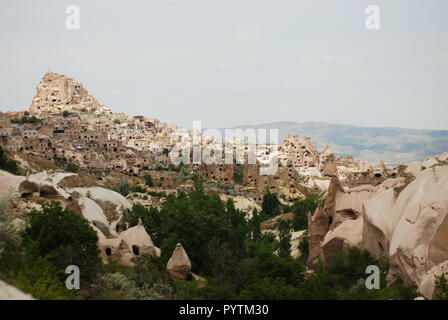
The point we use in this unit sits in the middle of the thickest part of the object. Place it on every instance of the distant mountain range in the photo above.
(393, 145)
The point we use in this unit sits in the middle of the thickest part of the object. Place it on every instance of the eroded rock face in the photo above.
(404, 219)
(8, 292)
(427, 285)
(56, 93)
(420, 239)
(128, 245)
(341, 222)
(179, 265)
(318, 225)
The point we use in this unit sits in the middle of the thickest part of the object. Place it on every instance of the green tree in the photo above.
(7, 164)
(71, 167)
(64, 237)
(304, 249)
(40, 278)
(300, 210)
(123, 188)
(148, 180)
(270, 204)
(285, 239)
(255, 223)
(239, 174)
(65, 113)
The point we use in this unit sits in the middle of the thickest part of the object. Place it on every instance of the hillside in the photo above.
(393, 145)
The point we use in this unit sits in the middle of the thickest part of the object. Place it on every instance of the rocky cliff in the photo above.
(404, 219)
(56, 93)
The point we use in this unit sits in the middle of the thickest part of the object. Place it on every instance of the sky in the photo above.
(234, 62)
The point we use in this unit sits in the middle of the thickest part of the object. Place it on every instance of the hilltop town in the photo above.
(65, 124)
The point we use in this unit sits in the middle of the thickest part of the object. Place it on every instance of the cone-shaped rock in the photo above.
(179, 265)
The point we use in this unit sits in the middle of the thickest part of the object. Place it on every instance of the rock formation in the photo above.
(56, 93)
(404, 219)
(129, 244)
(179, 265)
(8, 292)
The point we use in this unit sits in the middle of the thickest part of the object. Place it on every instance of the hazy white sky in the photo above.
(231, 62)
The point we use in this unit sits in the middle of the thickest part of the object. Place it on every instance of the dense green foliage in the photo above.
(64, 237)
(300, 210)
(238, 176)
(270, 205)
(123, 188)
(344, 278)
(22, 120)
(148, 180)
(442, 287)
(304, 249)
(71, 167)
(231, 254)
(8, 164)
(284, 249)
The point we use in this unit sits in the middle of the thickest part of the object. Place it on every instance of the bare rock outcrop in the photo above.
(56, 93)
(403, 218)
(341, 223)
(179, 265)
(427, 285)
(318, 225)
(420, 239)
(8, 292)
(128, 245)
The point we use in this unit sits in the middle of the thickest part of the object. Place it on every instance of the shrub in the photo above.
(441, 285)
(148, 180)
(270, 204)
(239, 174)
(300, 210)
(7, 164)
(64, 237)
(9, 238)
(123, 188)
(304, 249)
(285, 239)
(71, 167)
(38, 277)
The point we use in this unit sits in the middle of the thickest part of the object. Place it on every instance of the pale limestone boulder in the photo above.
(443, 157)
(92, 211)
(429, 162)
(104, 195)
(427, 285)
(8, 292)
(379, 221)
(414, 168)
(179, 265)
(9, 184)
(348, 233)
(420, 239)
